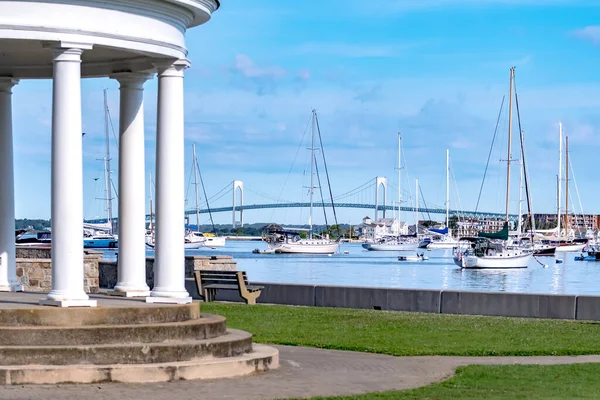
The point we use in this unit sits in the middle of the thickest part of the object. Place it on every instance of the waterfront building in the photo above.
(577, 222)
(472, 226)
(370, 229)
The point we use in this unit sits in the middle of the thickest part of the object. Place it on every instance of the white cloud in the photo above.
(248, 75)
(304, 74)
(248, 68)
(589, 33)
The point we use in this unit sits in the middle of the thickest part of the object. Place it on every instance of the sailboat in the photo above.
(446, 241)
(524, 239)
(101, 236)
(289, 241)
(399, 242)
(492, 250)
(195, 239)
(566, 243)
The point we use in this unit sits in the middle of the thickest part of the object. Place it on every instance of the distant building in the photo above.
(577, 222)
(472, 226)
(370, 229)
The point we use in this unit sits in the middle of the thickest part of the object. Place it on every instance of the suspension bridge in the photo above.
(370, 195)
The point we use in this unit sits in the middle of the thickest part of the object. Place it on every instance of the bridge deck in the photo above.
(457, 213)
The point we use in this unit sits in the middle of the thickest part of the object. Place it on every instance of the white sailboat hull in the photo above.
(214, 241)
(449, 244)
(571, 247)
(506, 260)
(193, 246)
(306, 247)
(407, 246)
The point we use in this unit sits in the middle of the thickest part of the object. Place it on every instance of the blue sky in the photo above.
(436, 70)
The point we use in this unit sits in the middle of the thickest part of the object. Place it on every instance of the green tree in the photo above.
(453, 222)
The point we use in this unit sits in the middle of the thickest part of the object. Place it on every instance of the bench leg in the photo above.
(250, 297)
(201, 293)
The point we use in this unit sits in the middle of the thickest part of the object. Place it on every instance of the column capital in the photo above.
(7, 83)
(131, 80)
(172, 68)
(67, 51)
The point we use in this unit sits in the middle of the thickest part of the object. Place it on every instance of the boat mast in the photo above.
(399, 178)
(512, 76)
(447, 188)
(107, 173)
(312, 173)
(150, 227)
(567, 227)
(519, 226)
(417, 206)
(560, 136)
(196, 188)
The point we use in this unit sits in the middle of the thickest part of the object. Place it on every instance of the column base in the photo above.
(68, 303)
(171, 300)
(129, 293)
(11, 288)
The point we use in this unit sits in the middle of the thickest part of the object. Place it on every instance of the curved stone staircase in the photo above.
(123, 341)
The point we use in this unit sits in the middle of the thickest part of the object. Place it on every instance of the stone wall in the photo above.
(527, 305)
(108, 269)
(43, 252)
(34, 269)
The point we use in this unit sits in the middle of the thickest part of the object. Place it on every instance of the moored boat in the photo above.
(393, 243)
(289, 241)
(492, 249)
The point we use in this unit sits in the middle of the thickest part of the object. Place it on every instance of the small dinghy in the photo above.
(267, 251)
(417, 257)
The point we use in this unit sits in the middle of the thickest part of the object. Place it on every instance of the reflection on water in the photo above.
(382, 269)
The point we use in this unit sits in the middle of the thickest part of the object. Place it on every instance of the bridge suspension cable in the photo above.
(227, 188)
(366, 185)
(266, 196)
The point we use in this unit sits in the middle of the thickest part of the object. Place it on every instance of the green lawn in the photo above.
(409, 334)
(577, 381)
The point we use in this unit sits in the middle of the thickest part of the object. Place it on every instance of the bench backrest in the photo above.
(208, 277)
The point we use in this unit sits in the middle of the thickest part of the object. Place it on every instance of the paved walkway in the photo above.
(304, 372)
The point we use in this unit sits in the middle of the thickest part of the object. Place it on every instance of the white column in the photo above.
(8, 267)
(131, 281)
(67, 181)
(169, 260)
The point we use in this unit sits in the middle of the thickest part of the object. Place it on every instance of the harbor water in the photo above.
(382, 269)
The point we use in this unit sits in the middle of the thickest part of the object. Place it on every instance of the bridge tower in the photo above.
(380, 181)
(238, 185)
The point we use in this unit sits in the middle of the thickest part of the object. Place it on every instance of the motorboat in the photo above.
(43, 238)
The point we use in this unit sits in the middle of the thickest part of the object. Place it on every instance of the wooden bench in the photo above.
(208, 282)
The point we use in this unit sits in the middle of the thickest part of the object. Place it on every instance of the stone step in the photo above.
(233, 343)
(262, 358)
(116, 312)
(207, 327)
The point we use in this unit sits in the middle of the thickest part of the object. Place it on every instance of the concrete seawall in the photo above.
(428, 301)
